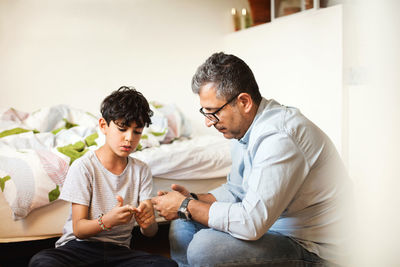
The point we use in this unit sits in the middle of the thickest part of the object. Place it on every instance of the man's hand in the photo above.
(176, 187)
(167, 204)
(180, 189)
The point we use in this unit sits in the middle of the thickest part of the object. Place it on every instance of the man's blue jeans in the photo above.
(193, 244)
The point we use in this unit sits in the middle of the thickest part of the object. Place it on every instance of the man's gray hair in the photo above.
(230, 74)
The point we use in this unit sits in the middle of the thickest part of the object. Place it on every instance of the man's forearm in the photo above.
(207, 198)
(199, 208)
(199, 211)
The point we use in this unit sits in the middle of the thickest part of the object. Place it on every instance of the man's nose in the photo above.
(209, 122)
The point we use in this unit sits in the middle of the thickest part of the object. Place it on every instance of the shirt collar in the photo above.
(245, 139)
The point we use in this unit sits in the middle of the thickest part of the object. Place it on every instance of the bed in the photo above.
(37, 148)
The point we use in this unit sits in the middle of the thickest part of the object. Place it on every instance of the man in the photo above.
(282, 203)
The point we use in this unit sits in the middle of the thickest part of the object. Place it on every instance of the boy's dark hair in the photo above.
(128, 105)
(230, 74)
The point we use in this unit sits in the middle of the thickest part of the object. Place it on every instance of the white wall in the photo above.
(372, 86)
(297, 60)
(77, 51)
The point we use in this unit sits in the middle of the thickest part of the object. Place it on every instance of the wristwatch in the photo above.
(194, 196)
(183, 212)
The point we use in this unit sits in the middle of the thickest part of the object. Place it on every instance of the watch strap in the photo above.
(194, 196)
(183, 212)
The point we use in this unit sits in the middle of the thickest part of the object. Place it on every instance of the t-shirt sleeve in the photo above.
(146, 184)
(76, 188)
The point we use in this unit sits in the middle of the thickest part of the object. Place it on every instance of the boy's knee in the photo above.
(38, 260)
(45, 258)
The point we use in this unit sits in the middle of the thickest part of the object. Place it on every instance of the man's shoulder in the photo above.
(270, 119)
(279, 119)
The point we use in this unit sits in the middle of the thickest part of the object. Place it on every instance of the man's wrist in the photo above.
(183, 212)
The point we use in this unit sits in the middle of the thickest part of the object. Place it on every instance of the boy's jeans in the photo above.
(193, 244)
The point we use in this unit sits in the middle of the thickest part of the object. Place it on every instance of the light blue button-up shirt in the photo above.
(286, 176)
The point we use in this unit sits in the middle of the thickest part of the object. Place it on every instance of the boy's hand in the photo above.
(120, 214)
(144, 214)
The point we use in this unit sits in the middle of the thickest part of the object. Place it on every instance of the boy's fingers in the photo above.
(137, 210)
(127, 208)
(142, 205)
(120, 201)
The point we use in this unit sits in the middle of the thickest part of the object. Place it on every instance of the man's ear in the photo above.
(103, 125)
(245, 101)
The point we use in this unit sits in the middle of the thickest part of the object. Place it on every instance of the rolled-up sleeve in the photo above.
(219, 215)
(274, 169)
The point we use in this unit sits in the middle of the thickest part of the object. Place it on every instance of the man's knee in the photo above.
(204, 248)
(181, 231)
(175, 228)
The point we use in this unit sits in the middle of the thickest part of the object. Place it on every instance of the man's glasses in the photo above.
(213, 115)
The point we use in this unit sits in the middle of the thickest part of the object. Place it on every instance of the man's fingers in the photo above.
(180, 189)
(161, 192)
(177, 187)
(156, 201)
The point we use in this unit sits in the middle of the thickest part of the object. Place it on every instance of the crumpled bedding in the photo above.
(36, 150)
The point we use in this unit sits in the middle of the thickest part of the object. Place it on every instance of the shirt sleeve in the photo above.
(77, 185)
(274, 170)
(146, 185)
(224, 193)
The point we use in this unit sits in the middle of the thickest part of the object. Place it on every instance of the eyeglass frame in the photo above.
(212, 116)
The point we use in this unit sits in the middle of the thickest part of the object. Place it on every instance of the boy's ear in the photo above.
(102, 125)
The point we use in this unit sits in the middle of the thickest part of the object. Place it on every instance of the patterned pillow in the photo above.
(30, 178)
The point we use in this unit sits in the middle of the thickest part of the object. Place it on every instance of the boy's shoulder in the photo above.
(85, 160)
(138, 162)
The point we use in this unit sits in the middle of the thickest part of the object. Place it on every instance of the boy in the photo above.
(98, 230)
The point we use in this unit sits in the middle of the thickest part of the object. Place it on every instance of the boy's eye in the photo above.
(137, 132)
(121, 129)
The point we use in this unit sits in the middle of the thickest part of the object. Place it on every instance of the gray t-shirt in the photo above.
(89, 183)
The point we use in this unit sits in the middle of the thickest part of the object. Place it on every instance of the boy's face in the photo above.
(121, 140)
